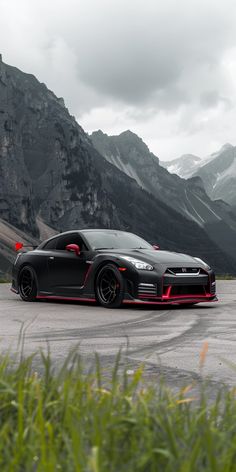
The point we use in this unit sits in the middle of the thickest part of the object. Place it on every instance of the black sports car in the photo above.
(110, 267)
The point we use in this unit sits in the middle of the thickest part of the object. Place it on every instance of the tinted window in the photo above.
(63, 241)
(50, 245)
(115, 240)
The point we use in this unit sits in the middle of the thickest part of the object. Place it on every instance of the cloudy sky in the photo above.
(165, 69)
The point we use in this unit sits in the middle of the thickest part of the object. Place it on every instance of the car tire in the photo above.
(109, 287)
(28, 284)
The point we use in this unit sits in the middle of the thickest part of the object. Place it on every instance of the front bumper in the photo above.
(171, 288)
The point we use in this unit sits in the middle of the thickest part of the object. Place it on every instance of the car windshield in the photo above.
(115, 240)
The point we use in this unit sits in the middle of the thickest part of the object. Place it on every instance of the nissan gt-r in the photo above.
(110, 267)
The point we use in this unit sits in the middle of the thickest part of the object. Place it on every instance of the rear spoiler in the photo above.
(19, 245)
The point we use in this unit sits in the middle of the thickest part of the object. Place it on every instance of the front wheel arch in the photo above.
(31, 269)
(102, 264)
(26, 264)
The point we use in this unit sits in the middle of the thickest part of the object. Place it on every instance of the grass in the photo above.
(225, 277)
(4, 280)
(71, 420)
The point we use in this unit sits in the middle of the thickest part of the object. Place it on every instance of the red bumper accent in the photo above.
(173, 301)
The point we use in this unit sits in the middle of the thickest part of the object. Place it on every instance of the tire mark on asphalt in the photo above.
(197, 329)
(98, 331)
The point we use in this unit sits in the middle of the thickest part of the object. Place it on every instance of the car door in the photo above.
(66, 269)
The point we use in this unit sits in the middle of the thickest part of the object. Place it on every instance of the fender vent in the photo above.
(147, 289)
(213, 288)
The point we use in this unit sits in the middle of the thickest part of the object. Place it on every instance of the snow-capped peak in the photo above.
(183, 166)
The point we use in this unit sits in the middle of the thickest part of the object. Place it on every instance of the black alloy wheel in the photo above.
(109, 287)
(27, 284)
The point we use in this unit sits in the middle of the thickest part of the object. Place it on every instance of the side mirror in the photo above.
(73, 248)
(156, 247)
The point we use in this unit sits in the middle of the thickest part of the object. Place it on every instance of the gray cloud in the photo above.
(163, 61)
(147, 51)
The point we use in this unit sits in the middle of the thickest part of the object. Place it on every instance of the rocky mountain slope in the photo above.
(51, 176)
(219, 175)
(217, 171)
(131, 155)
(188, 165)
(8, 236)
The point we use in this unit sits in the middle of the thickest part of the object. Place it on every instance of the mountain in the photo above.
(52, 178)
(129, 154)
(219, 175)
(217, 171)
(188, 197)
(188, 165)
(184, 166)
(9, 234)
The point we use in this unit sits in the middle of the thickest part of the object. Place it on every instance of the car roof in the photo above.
(82, 231)
(103, 229)
(89, 230)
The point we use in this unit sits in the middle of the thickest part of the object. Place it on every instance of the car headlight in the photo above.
(204, 263)
(138, 264)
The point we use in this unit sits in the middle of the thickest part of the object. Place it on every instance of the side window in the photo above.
(50, 245)
(63, 241)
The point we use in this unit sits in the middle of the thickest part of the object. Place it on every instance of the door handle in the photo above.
(51, 258)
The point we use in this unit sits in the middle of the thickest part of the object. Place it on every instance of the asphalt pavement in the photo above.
(168, 341)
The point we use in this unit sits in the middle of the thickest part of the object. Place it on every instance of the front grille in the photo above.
(185, 276)
(184, 271)
(147, 290)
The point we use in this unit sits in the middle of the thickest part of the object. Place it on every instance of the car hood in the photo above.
(158, 257)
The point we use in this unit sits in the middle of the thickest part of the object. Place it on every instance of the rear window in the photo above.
(60, 242)
(50, 244)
